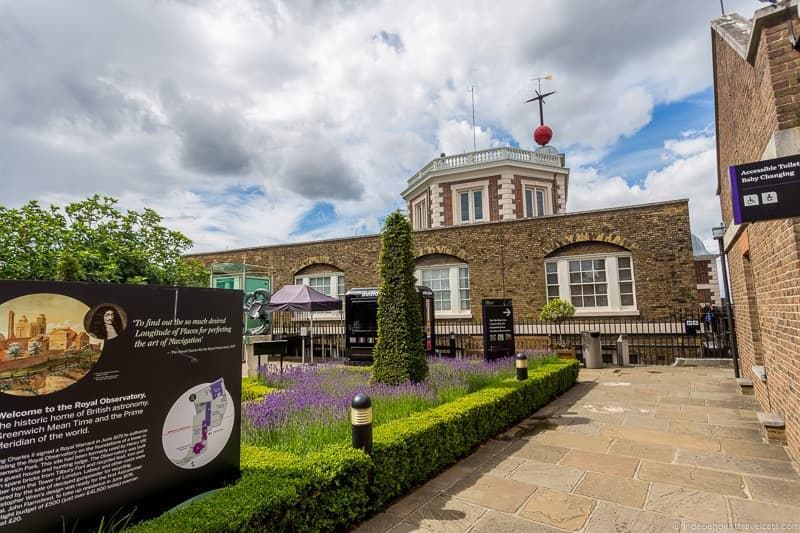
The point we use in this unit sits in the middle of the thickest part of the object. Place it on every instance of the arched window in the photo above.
(448, 277)
(597, 277)
(322, 277)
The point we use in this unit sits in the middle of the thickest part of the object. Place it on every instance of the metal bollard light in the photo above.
(361, 421)
(522, 366)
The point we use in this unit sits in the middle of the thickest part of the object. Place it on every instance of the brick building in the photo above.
(492, 224)
(757, 95)
(705, 266)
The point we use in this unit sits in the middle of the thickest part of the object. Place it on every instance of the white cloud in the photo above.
(691, 174)
(171, 104)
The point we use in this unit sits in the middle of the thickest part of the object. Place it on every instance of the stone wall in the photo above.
(506, 259)
(758, 108)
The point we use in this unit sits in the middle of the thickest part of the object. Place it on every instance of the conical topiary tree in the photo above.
(399, 354)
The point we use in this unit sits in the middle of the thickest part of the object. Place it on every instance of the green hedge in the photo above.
(330, 489)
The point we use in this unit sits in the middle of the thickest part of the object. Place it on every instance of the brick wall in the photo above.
(756, 100)
(511, 254)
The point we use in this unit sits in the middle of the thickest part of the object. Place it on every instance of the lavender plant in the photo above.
(311, 407)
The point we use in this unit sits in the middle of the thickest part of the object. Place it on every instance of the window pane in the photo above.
(552, 291)
(552, 279)
(602, 301)
(588, 289)
(477, 198)
(574, 277)
(539, 203)
(464, 206)
(438, 280)
(321, 284)
(588, 301)
(624, 274)
(624, 262)
(626, 299)
(586, 265)
(528, 203)
(551, 267)
(574, 266)
(599, 264)
(341, 287)
(577, 301)
(587, 277)
(626, 288)
(576, 290)
(600, 288)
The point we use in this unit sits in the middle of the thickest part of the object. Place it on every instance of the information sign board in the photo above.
(498, 328)
(114, 397)
(766, 190)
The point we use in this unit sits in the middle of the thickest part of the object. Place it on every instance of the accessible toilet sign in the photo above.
(765, 190)
(114, 399)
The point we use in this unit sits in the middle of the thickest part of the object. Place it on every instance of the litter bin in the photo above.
(592, 352)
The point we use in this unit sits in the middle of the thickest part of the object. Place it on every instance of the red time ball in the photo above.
(542, 135)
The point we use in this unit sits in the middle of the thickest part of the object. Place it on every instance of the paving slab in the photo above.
(613, 517)
(692, 477)
(687, 503)
(538, 452)
(659, 437)
(409, 503)
(574, 440)
(547, 475)
(493, 492)
(446, 479)
(736, 463)
(760, 513)
(559, 509)
(445, 514)
(774, 490)
(751, 449)
(645, 422)
(601, 462)
(494, 522)
(631, 492)
(646, 450)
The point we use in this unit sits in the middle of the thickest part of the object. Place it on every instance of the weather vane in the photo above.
(542, 134)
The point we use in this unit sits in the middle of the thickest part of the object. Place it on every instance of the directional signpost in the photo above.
(498, 328)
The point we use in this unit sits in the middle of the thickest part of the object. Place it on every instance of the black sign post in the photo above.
(766, 190)
(114, 398)
(498, 328)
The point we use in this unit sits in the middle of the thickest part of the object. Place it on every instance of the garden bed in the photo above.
(423, 429)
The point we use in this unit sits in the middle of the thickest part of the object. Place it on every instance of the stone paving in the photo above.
(627, 449)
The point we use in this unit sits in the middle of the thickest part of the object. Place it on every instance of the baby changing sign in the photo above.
(766, 190)
(114, 399)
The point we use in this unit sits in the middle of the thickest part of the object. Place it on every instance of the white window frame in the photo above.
(470, 187)
(334, 287)
(543, 184)
(535, 209)
(455, 289)
(419, 210)
(614, 306)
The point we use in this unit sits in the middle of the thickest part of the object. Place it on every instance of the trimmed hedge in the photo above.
(330, 489)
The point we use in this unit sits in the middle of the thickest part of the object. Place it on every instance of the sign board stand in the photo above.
(498, 328)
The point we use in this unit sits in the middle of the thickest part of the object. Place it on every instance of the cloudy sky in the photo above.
(249, 122)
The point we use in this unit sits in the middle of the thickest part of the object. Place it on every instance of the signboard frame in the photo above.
(765, 190)
(498, 328)
(135, 404)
